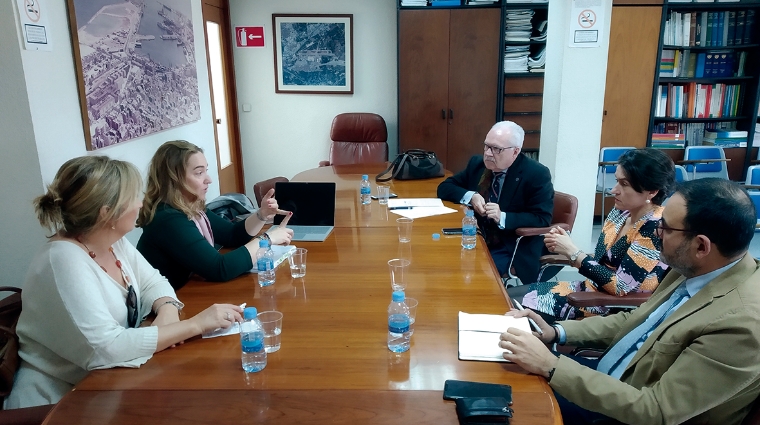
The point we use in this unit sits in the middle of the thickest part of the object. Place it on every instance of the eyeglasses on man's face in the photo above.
(661, 228)
(496, 150)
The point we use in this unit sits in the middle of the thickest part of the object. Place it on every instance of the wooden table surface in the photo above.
(334, 365)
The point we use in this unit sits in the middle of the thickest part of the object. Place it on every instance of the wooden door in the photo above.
(223, 100)
(631, 66)
(474, 55)
(423, 75)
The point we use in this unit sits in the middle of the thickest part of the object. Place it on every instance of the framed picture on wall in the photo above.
(135, 66)
(313, 53)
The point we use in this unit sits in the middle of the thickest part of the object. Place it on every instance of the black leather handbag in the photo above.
(413, 164)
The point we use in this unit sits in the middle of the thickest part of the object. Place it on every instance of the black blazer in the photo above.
(527, 198)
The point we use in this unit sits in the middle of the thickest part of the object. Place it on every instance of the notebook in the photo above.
(479, 335)
(313, 208)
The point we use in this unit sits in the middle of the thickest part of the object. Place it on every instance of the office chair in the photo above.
(705, 161)
(261, 188)
(681, 174)
(605, 177)
(753, 178)
(358, 138)
(563, 215)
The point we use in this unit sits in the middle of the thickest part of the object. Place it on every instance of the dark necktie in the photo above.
(496, 186)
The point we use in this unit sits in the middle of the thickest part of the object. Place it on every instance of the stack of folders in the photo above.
(477, 2)
(725, 138)
(668, 140)
(517, 29)
(445, 3)
(413, 2)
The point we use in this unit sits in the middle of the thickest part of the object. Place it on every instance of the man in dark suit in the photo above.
(507, 190)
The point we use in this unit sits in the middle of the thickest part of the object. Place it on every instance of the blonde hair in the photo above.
(166, 181)
(81, 188)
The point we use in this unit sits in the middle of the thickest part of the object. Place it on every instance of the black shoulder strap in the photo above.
(395, 166)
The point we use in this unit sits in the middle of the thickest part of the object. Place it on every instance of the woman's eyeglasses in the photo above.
(132, 311)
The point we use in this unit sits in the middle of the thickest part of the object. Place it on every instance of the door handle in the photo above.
(443, 114)
(218, 120)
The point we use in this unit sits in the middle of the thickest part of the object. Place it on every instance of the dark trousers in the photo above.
(572, 414)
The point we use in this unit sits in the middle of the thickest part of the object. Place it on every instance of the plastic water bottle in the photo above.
(399, 326)
(253, 355)
(469, 230)
(365, 190)
(265, 263)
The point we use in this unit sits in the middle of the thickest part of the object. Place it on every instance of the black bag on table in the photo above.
(413, 164)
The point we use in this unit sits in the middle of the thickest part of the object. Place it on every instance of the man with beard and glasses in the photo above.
(507, 190)
(691, 354)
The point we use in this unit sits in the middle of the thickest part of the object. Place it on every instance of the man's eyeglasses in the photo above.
(496, 150)
(661, 227)
(132, 312)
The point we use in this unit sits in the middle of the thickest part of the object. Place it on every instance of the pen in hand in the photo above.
(531, 321)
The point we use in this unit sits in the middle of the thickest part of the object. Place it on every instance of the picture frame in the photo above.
(135, 68)
(313, 53)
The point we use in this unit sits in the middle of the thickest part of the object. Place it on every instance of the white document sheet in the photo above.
(479, 335)
(419, 212)
(414, 202)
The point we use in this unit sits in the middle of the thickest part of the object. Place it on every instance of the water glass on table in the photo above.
(271, 322)
(411, 303)
(383, 192)
(297, 261)
(398, 268)
(404, 229)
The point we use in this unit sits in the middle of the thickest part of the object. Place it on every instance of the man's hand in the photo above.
(549, 332)
(478, 204)
(493, 212)
(528, 352)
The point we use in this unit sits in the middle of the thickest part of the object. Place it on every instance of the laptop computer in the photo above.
(313, 207)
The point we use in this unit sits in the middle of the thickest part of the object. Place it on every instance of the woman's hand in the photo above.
(217, 316)
(281, 235)
(559, 242)
(268, 207)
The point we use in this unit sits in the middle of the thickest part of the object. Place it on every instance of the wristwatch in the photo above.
(175, 303)
(574, 256)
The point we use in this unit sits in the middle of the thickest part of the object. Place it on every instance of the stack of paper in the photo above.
(418, 207)
(413, 2)
(517, 26)
(477, 2)
(538, 60)
(479, 335)
(516, 58)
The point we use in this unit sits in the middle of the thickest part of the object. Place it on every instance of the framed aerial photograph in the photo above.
(313, 53)
(135, 65)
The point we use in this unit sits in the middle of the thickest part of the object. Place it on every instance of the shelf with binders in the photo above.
(448, 4)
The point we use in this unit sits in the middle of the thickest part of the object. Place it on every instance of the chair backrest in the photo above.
(261, 188)
(755, 196)
(605, 178)
(358, 138)
(565, 209)
(681, 174)
(753, 175)
(714, 169)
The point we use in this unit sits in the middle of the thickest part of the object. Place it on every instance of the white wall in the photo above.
(46, 94)
(285, 133)
(571, 119)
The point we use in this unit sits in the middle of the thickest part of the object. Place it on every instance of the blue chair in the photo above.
(755, 196)
(753, 176)
(681, 174)
(705, 161)
(605, 177)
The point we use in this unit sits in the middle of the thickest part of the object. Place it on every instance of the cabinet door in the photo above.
(423, 76)
(631, 65)
(474, 55)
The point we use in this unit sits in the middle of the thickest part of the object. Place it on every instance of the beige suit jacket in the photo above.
(700, 366)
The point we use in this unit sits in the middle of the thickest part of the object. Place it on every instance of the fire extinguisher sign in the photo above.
(249, 36)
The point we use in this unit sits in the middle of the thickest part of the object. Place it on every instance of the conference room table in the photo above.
(334, 366)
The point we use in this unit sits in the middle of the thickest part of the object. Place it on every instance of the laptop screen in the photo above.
(312, 204)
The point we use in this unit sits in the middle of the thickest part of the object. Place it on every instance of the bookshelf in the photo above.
(524, 47)
(707, 74)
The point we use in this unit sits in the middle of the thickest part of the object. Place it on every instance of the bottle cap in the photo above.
(365, 177)
(250, 313)
(469, 213)
(436, 236)
(398, 296)
(263, 243)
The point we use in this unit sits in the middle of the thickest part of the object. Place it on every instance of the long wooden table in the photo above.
(334, 365)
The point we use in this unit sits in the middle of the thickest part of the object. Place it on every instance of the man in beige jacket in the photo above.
(691, 354)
